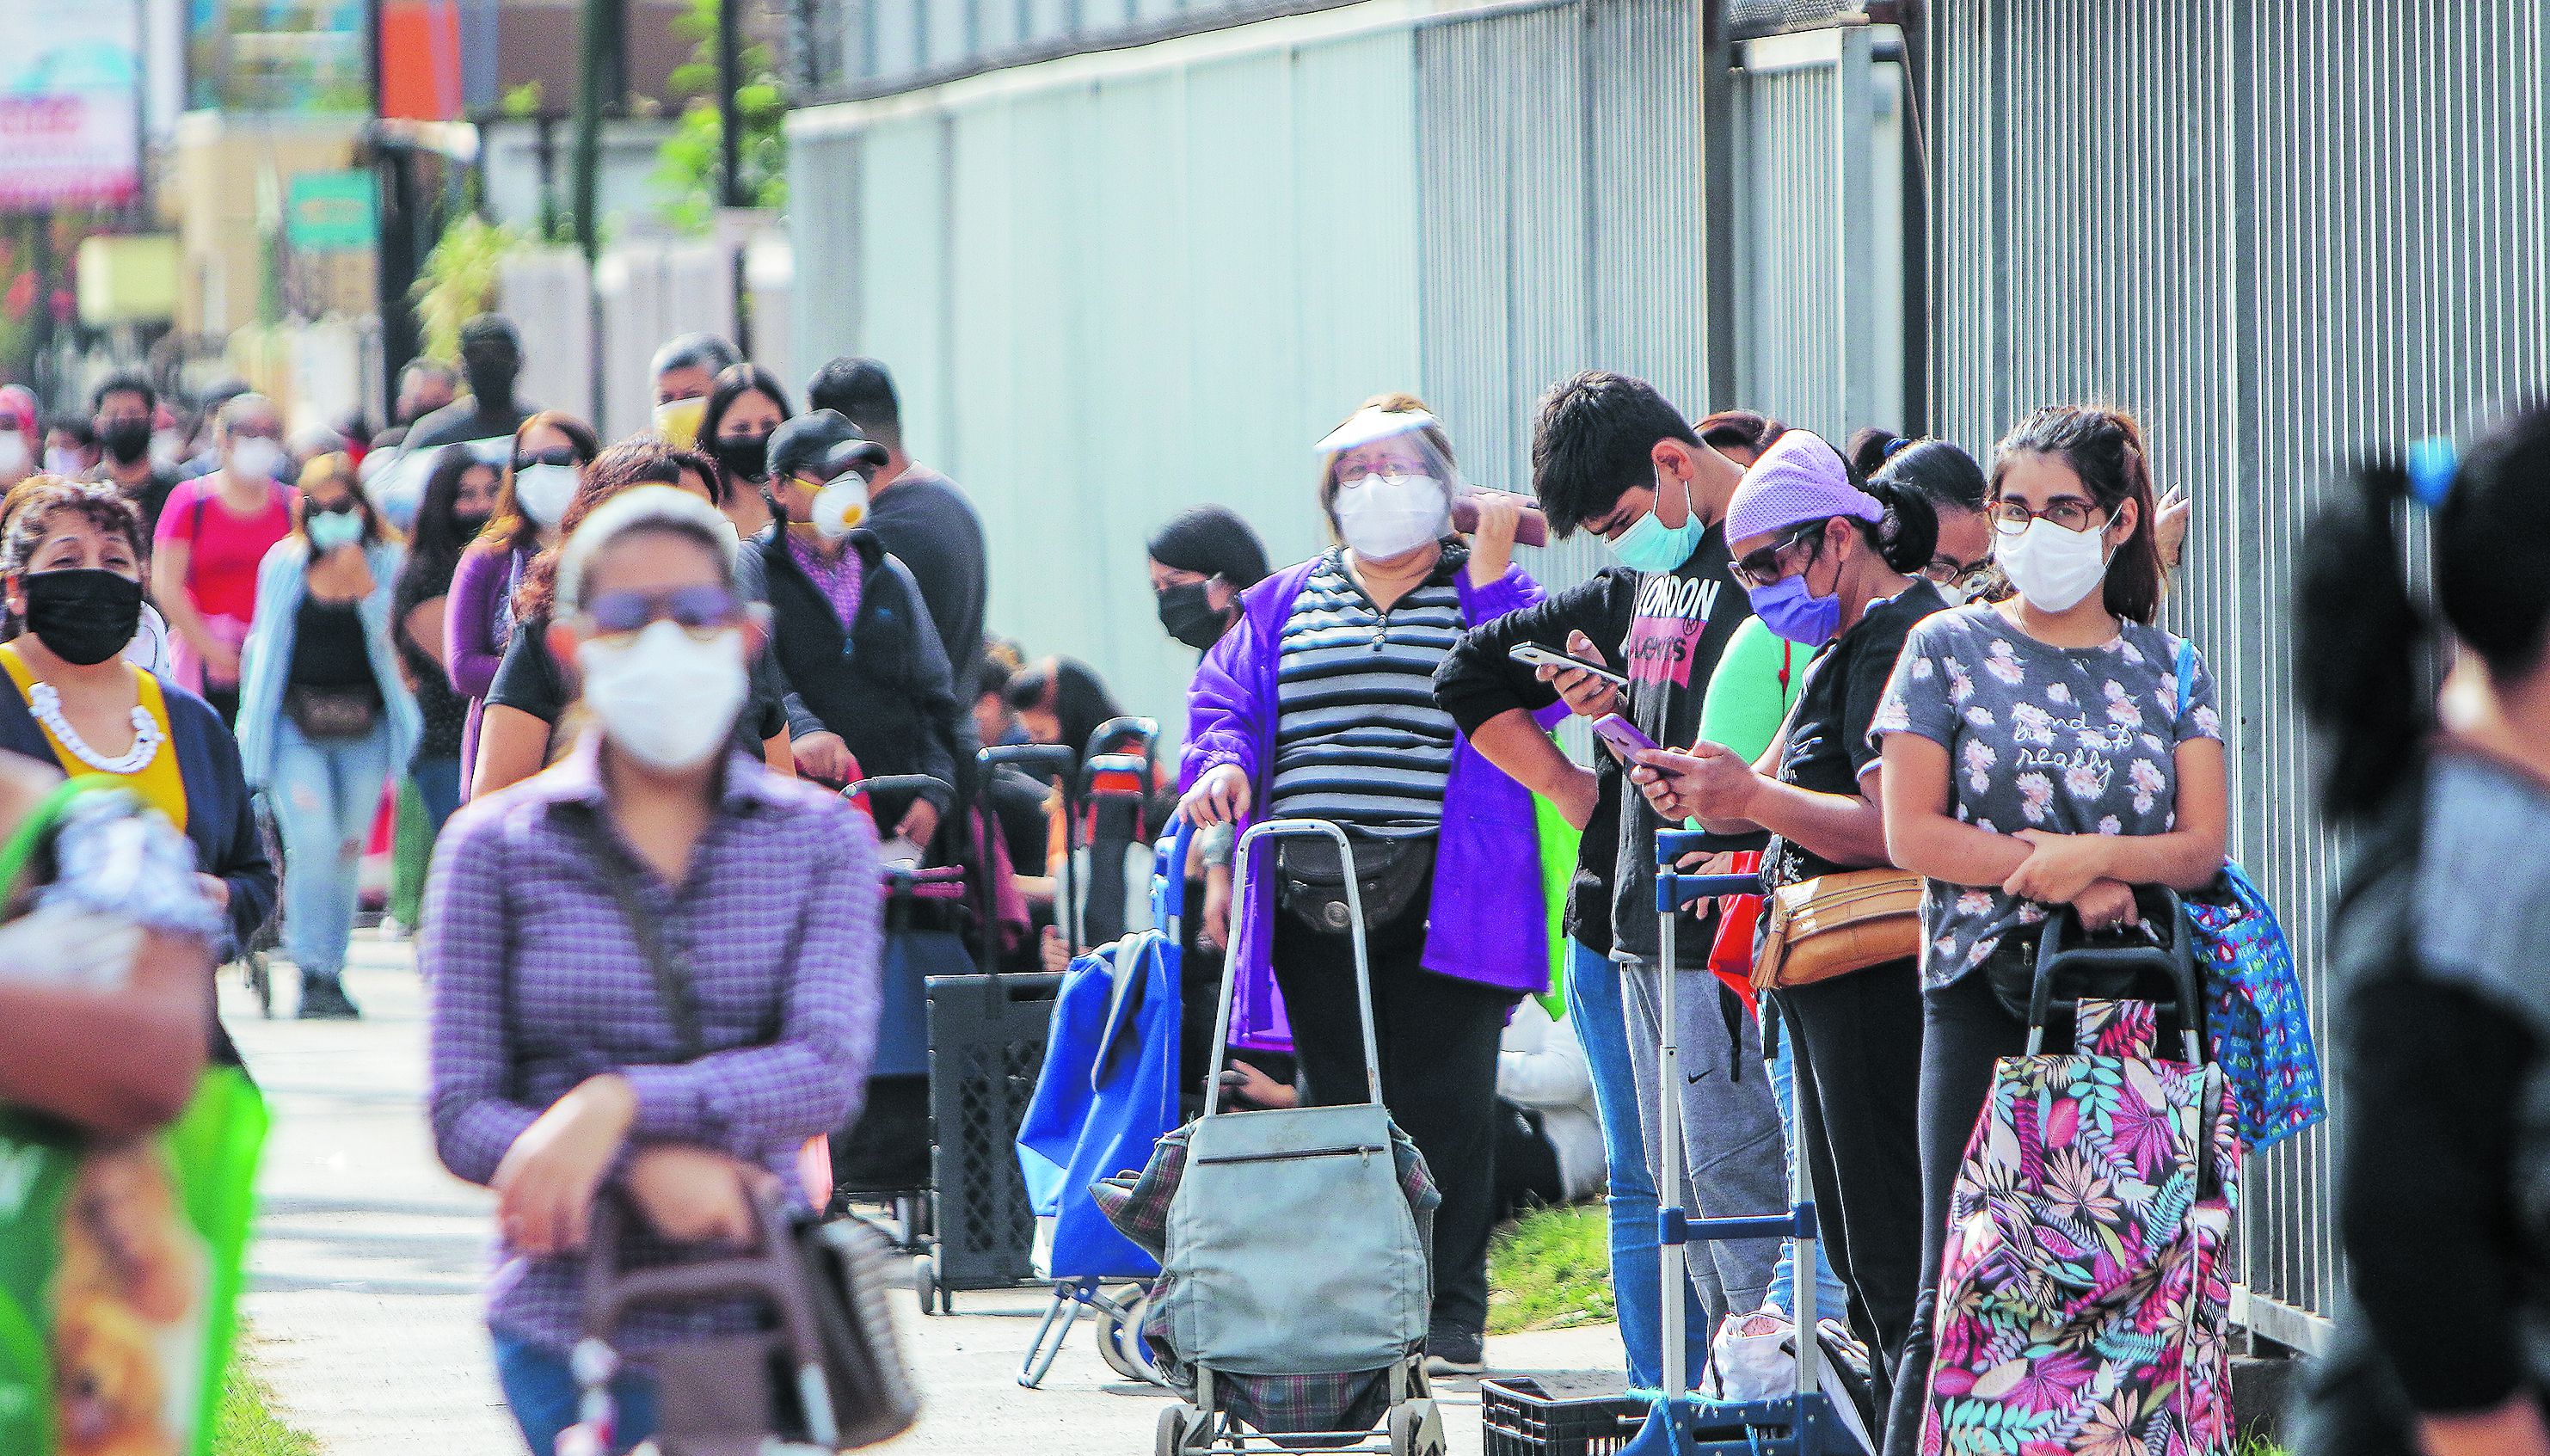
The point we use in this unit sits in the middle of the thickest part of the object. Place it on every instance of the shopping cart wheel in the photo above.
(1184, 1432)
(1122, 1346)
(924, 1282)
(1415, 1429)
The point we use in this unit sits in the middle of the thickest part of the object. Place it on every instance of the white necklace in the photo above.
(46, 705)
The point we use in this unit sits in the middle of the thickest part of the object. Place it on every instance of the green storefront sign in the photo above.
(332, 212)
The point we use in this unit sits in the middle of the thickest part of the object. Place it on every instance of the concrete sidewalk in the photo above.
(364, 1288)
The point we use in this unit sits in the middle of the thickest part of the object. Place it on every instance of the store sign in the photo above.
(70, 133)
(332, 212)
(288, 56)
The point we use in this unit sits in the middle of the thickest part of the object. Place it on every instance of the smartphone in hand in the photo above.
(1530, 654)
(1621, 735)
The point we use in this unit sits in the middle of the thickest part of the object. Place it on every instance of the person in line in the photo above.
(461, 498)
(213, 531)
(550, 454)
(918, 515)
(425, 386)
(2036, 763)
(121, 410)
(326, 718)
(70, 447)
(745, 404)
(1200, 563)
(1318, 705)
(71, 559)
(1829, 567)
(491, 360)
(1612, 456)
(2439, 941)
(21, 447)
(1961, 560)
(532, 713)
(1063, 700)
(560, 1074)
(857, 649)
(1742, 436)
(683, 373)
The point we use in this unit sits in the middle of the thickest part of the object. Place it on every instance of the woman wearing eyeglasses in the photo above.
(551, 453)
(1830, 569)
(324, 717)
(566, 1059)
(2040, 756)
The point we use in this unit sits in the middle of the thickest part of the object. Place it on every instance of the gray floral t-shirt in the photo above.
(2069, 740)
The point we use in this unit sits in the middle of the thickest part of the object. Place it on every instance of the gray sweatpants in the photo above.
(1732, 1150)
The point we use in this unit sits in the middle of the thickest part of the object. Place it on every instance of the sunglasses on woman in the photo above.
(1759, 568)
(701, 611)
(554, 455)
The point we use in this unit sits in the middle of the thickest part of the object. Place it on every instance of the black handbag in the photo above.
(333, 715)
(837, 1273)
(1311, 881)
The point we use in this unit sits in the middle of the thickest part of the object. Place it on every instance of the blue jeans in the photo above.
(323, 795)
(1830, 1300)
(1595, 1007)
(438, 783)
(540, 1389)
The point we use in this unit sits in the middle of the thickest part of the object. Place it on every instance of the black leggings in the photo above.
(1858, 1045)
(1439, 1037)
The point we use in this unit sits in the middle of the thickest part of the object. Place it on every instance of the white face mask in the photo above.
(664, 697)
(2051, 567)
(257, 458)
(544, 491)
(14, 453)
(65, 463)
(839, 506)
(1384, 515)
(165, 449)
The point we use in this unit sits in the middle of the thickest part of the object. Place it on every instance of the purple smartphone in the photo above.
(1622, 735)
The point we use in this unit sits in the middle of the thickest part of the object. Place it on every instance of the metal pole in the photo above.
(729, 67)
(599, 83)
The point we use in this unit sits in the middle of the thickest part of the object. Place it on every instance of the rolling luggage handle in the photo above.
(1096, 759)
(2176, 961)
(1293, 829)
(1675, 1230)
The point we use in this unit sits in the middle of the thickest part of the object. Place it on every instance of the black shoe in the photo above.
(1451, 1352)
(324, 999)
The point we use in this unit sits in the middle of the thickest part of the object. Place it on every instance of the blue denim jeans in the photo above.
(540, 1389)
(1595, 1007)
(438, 783)
(324, 796)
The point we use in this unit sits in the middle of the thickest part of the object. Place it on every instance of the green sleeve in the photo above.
(1746, 699)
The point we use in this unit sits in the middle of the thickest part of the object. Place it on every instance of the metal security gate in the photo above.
(2282, 235)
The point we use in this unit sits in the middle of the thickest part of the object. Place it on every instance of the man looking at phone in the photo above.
(1610, 456)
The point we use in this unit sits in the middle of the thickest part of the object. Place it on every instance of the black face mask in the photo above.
(126, 441)
(744, 456)
(470, 524)
(1189, 615)
(85, 617)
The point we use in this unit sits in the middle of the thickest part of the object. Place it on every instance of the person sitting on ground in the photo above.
(856, 647)
(560, 1074)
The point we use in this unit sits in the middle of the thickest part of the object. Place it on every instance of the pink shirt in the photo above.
(225, 548)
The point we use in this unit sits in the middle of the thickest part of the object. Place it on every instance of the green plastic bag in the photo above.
(119, 1268)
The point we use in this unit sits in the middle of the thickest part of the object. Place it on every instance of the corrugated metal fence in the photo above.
(2280, 235)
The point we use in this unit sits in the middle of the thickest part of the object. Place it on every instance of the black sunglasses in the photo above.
(554, 455)
(1762, 567)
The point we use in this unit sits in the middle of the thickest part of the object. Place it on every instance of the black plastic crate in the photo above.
(1557, 1415)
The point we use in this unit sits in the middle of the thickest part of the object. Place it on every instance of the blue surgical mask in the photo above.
(329, 531)
(1652, 545)
(1792, 611)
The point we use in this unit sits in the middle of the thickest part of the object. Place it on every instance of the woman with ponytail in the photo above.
(2040, 759)
(2440, 944)
(1831, 569)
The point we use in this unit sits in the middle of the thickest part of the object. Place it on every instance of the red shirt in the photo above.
(226, 548)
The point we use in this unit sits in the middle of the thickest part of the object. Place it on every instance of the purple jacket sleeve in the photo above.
(460, 957)
(471, 652)
(812, 1079)
(1226, 721)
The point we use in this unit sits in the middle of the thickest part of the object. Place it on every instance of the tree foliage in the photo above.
(688, 164)
(459, 280)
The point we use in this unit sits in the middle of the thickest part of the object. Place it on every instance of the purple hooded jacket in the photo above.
(1487, 921)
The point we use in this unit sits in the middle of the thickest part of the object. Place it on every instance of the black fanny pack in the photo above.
(326, 714)
(1311, 881)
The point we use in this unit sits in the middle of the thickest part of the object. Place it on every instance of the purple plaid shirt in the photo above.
(778, 921)
(839, 580)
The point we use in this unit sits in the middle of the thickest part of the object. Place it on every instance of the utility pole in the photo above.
(601, 81)
(730, 68)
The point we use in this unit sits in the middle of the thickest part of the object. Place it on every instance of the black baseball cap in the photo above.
(821, 445)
